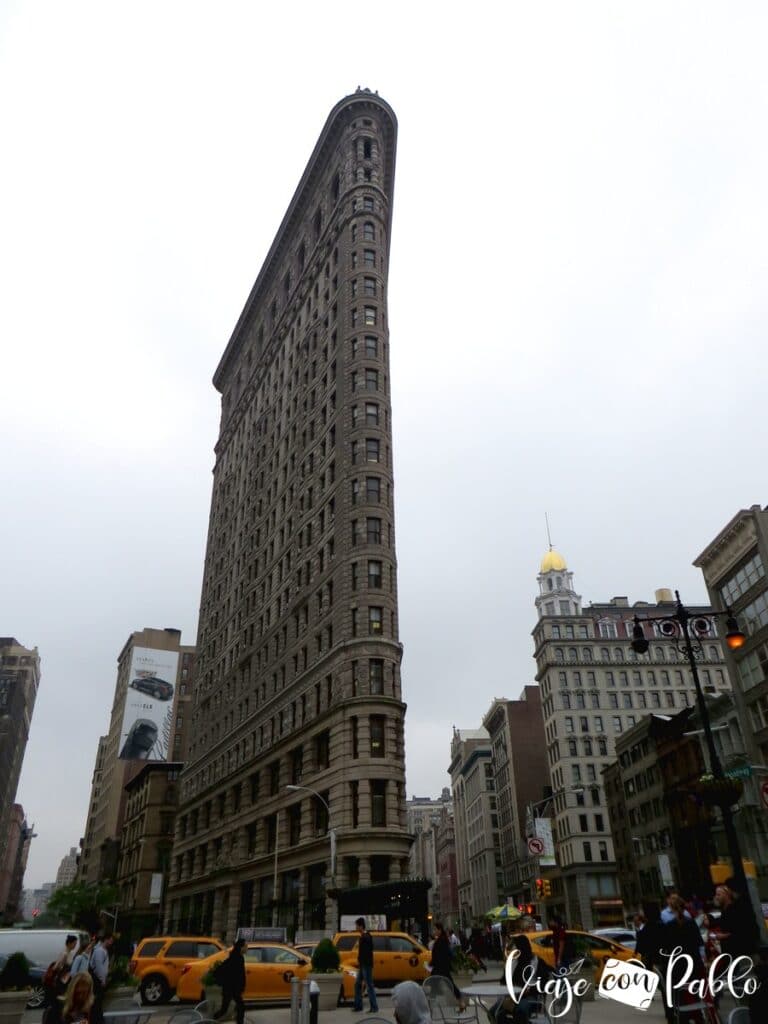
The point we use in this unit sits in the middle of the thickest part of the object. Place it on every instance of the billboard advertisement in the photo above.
(148, 714)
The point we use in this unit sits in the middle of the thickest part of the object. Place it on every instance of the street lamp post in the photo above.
(530, 827)
(677, 626)
(332, 843)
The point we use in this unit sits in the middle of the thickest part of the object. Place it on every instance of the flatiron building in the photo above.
(294, 785)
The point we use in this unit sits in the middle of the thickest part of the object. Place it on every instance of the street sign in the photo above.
(764, 793)
(535, 846)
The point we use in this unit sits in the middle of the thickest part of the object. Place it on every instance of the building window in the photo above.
(587, 848)
(603, 848)
(373, 530)
(742, 580)
(371, 380)
(355, 750)
(322, 750)
(370, 316)
(372, 449)
(274, 779)
(375, 620)
(377, 726)
(607, 630)
(369, 232)
(376, 675)
(379, 803)
(294, 824)
(616, 720)
(374, 574)
(372, 489)
(371, 414)
(369, 287)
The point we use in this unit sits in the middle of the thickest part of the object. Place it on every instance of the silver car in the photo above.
(624, 936)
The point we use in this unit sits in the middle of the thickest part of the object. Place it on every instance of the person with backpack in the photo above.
(55, 981)
(230, 974)
(82, 959)
(99, 969)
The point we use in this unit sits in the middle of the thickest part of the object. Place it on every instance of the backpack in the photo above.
(51, 974)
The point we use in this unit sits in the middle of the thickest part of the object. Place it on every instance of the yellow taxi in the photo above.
(396, 956)
(597, 947)
(157, 963)
(269, 967)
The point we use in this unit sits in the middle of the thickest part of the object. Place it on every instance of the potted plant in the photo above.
(212, 993)
(463, 968)
(14, 988)
(326, 972)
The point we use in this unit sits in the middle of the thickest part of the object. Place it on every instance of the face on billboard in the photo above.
(148, 715)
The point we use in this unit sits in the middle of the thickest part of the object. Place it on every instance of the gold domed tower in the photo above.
(556, 594)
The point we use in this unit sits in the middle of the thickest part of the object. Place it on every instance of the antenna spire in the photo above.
(549, 537)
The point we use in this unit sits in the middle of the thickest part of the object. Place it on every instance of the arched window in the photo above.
(369, 231)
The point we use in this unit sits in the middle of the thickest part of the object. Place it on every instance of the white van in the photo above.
(40, 946)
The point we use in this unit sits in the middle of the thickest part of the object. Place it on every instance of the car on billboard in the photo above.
(154, 686)
(140, 740)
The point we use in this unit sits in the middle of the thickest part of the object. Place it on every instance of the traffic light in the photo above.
(539, 887)
(547, 888)
(529, 909)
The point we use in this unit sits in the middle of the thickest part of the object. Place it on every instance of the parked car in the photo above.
(140, 740)
(157, 963)
(269, 967)
(41, 946)
(396, 956)
(154, 686)
(305, 948)
(598, 948)
(624, 936)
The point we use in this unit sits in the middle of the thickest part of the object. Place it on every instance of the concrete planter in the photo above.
(213, 998)
(463, 979)
(12, 1006)
(330, 986)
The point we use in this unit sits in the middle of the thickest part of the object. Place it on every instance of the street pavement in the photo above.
(599, 1011)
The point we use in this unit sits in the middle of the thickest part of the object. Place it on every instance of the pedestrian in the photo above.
(477, 947)
(560, 941)
(232, 974)
(681, 933)
(99, 968)
(410, 1004)
(454, 940)
(737, 928)
(668, 913)
(648, 930)
(519, 1009)
(56, 980)
(78, 1001)
(82, 958)
(364, 969)
(441, 961)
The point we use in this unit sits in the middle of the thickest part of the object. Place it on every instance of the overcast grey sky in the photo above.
(577, 312)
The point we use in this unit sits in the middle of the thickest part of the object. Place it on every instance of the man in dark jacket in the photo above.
(737, 925)
(364, 968)
(232, 975)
